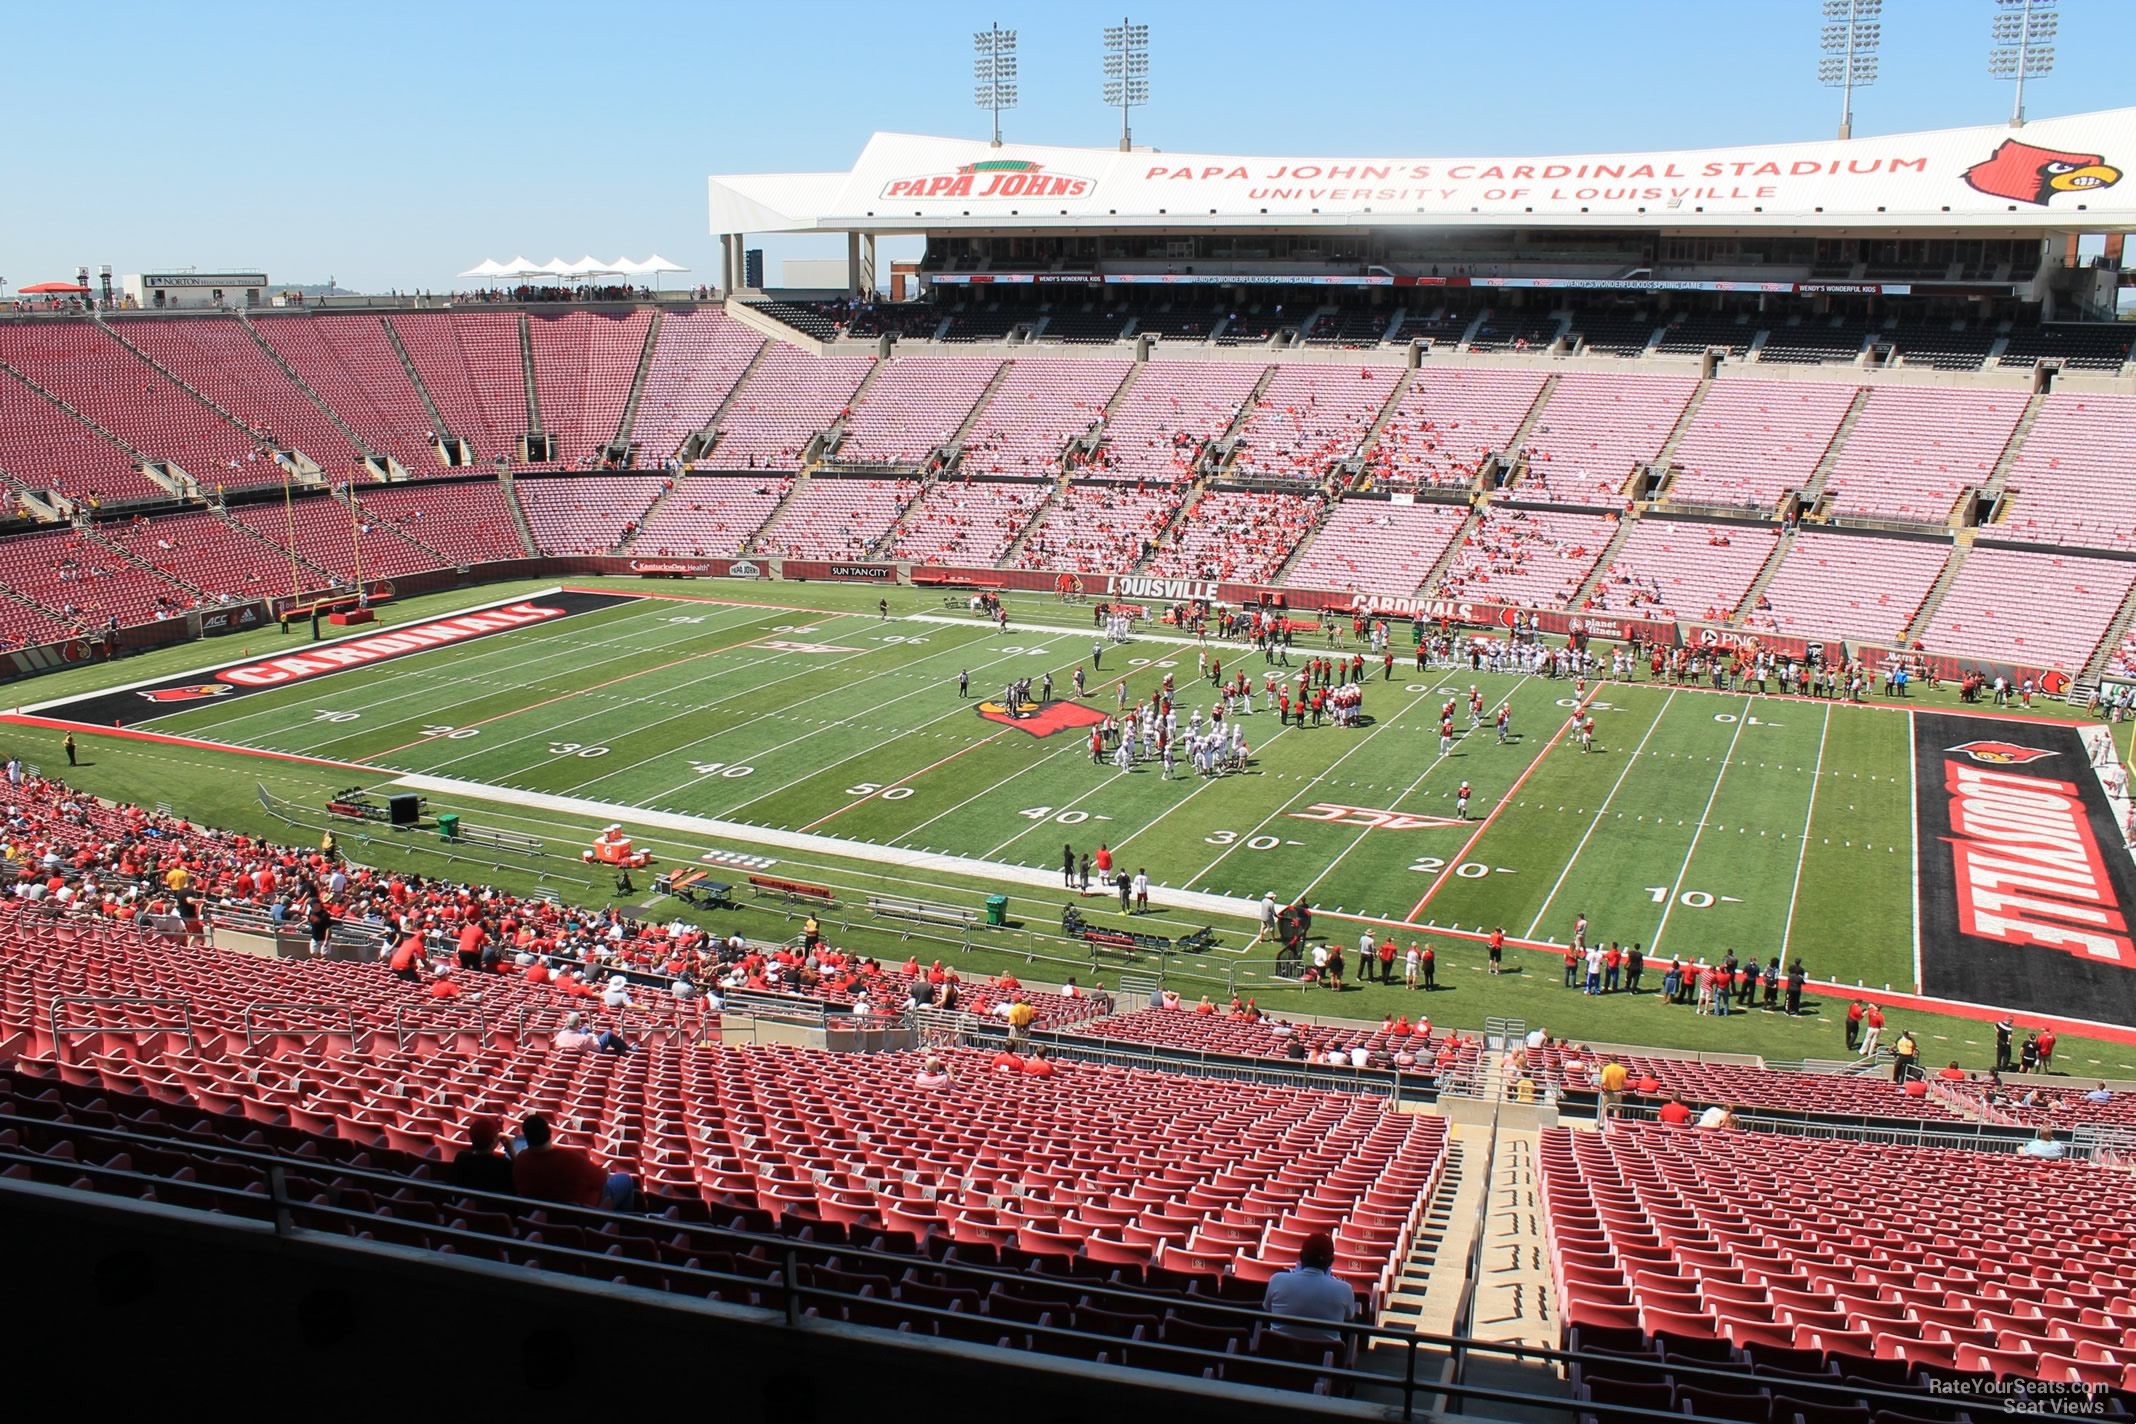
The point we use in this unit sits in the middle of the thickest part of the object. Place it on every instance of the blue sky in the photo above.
(393, 144)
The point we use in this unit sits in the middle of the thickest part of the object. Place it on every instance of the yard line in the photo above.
(1600, 811)
(1417, 700)
(1207, 782)
(1676, 889)
(943, 761)
(1396, 803)
(1794, 891)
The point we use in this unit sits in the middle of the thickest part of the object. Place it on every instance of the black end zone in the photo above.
(2026, 886)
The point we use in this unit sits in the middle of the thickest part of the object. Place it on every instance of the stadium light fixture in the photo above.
(1127, 70)
(1851, 32)
(2024, 46)
(994, 72)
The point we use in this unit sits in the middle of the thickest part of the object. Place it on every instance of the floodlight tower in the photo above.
(2023, 48)
(1127, 70)
(994, 72)
(1851, 32)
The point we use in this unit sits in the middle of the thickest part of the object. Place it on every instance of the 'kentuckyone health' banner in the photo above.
(2061, 172)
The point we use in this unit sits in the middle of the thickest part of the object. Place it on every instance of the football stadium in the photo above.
(1160, 804)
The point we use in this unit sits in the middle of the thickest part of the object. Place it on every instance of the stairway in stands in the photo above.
(1963, 545)
(174, 378)
(1781, 547)
(1438, 570)
(1667, 453)
(349, 431)
(415, 379)
(629, 422)
(281, 549)
(707, 436)
(1518, 441)
(1999, 478)
(1814, 490)
(1600, 571)
(2087, 680)
(88, 531)
(526, 371)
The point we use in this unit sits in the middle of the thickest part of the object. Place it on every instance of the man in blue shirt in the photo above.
(1310, 1289)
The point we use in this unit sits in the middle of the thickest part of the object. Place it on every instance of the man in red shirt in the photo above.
(1674, 1113)
(2047, 1039)
(406, 957)
(472, 938)
(1854, 1024)
(442, 987)
(545, 1172)
(1037, 1065)
(1386, 959)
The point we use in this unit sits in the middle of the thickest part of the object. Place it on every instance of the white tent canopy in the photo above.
(556, 268)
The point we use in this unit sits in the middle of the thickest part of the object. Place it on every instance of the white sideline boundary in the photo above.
(1198, 901)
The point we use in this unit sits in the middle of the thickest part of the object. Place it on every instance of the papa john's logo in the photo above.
(2001, 753)
(2026, 174)
(192, 693)
(1042, 721)
(991, 178)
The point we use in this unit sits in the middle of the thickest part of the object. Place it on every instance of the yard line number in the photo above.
(871, 788)
(1467, 869)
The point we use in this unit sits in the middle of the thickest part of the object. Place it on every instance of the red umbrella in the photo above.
(53, 288)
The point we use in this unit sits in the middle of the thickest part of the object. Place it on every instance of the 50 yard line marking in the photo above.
(1794, 890)
(1677, 888)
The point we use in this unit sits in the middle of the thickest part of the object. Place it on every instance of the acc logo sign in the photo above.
(192, 693)
(2025, 174)
(2000, 753)
(1043, 721)
(991, 178)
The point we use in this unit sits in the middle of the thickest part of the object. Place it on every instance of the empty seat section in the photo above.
(712, 516)
(1039, 407)
(1914, 449)
(1238, 535)
(1154, 432)
(1373, 546)
(468, 521)
(1752, 441)
(584, 363)
(1447, 421)
(1096, 527)
(205, 552)
(44, 448)
(913, 407)
(1678, 569)
(351, 363)
(790, 398)
(1594, 429)
(588, 514)
(1844, 586)
(2074, 480)
(698, 356)
(1309, 418)
(219, 358)
(330, 534)
(1529, 557)
(471, 364)
(82, 365)
(832, 518)
(2042, 610)
(969, 523)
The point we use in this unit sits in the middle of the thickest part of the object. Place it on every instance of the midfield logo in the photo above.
(1042, 721)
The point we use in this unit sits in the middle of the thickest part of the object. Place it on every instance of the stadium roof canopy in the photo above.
(2062, 174)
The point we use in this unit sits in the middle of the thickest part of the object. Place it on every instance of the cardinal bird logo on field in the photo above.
(2026, 174)
(191, 693)
(2001, 753)
(1042, 721)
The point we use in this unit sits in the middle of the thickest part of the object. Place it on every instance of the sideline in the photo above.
(1043, 878)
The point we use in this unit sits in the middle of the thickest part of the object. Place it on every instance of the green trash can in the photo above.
(448, 826)
(997, 909)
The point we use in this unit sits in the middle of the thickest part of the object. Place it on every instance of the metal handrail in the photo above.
(60, 1030)
(288, 1214)
(402, 1031)
(344, 1013)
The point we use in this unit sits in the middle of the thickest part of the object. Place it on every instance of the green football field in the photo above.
(1700, 822)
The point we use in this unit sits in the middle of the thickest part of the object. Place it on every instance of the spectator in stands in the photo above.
(2099, 1094)
(932, 1076)
(1611, 1080)
(2045, 1144)
(1674, 1112)
(1037, 1065)
(1953, 1073)
(479, 1167)
(1718, 1117)
(546, 1172)
(1903, 1053)
(575, 1035)
(1310, 1290)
